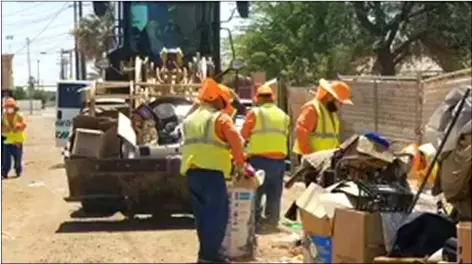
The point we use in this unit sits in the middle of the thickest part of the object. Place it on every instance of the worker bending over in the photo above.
(318, 125)
(266, 129)
(13, 129)
(210, 140)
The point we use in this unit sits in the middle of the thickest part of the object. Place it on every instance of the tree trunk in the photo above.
(385, 61)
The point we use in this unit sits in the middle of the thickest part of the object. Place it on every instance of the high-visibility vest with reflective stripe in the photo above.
(13, 137)
(202, 147)
(326, 134)
(270, 133)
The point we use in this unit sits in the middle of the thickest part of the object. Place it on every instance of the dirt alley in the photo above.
(37, 227)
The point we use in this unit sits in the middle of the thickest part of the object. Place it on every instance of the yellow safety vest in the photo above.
(326, 134)
(270, 134)
(13, 137)
(202, 147)
(434, 172)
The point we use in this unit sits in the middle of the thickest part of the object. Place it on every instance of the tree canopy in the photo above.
(308, 40)
(94, 35)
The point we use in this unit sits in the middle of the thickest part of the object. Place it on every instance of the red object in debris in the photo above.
(249, 171)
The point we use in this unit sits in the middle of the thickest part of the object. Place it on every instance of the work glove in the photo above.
(239, 172)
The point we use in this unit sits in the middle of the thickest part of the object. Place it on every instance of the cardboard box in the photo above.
(464, 237)
(357, 237)
(87, 143)
(318, 250)
(239, 241)
(316, 206)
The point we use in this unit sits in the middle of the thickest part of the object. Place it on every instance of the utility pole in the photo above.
(61, 62)
(76, 49)
(83, 66)
(37, 73)
(70, 65)
(30, 77)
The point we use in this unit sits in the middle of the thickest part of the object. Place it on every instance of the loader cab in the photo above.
(146, 27)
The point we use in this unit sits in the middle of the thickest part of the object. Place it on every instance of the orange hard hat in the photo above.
(209, 91)
(340, 90)
(9, 102)
(227, 95)
(263, 90)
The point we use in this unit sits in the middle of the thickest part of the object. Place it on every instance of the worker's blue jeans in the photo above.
(272, 187)
(211, 210)
(9, 152)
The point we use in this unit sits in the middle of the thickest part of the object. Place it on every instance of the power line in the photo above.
(45, 28)
(36, 20)
(45, 38)
(22, 10)
(20, 32)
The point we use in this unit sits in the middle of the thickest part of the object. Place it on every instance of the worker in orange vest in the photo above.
(13, 129)
(266, 129)
(318, 126)
(211, 141)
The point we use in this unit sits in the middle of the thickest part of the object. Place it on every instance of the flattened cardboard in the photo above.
(125, 129)
(357, 237)
(464, 235)
(316, 206)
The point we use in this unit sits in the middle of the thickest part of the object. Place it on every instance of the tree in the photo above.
(400, 29)
(450, 44)
(19, 93)
(308, 40)
(302, 40)
(95, 35)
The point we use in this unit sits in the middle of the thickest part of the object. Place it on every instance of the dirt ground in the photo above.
(37, 226)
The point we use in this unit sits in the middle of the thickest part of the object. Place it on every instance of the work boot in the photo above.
(224, 260)
(221, 259)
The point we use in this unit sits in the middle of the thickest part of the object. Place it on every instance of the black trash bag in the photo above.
(422, 234)
(450, 250)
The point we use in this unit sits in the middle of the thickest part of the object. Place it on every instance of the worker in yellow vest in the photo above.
(317, 127)
(211, 141)
(422, 157)
(266, 130)
(13, 129)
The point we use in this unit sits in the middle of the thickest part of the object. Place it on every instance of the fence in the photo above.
(395, 106)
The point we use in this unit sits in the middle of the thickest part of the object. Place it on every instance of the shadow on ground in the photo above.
(57, 166)
(107, 225)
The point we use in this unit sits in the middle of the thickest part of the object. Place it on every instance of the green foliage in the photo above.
(19, 93)
(305, 41)
(94, 35)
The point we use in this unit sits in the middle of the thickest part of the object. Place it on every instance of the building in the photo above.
(7, 71)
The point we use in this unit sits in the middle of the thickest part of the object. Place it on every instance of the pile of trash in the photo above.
(152, 131)
(358, 207)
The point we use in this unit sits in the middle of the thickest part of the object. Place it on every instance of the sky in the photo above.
(48, 25)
